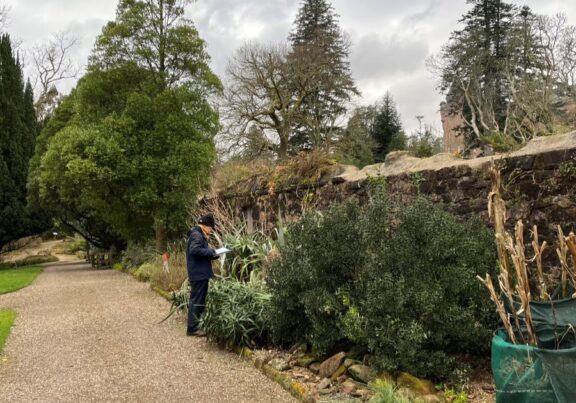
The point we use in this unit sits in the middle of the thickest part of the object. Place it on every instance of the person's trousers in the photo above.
(198, 293)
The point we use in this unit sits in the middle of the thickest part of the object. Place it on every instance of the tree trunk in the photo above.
(161, 238)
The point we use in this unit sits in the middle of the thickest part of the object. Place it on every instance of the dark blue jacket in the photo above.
(199, 256)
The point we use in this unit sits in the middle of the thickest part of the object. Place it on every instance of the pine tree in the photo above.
(387, 128)
(475, 66)
(317, 38)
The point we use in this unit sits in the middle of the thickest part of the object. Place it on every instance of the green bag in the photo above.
(544, 374)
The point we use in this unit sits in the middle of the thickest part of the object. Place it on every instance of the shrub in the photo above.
(138, 253)
(75, 245)
(397, 281)
(235, 312)
(418, 292)
(311, 280)
(29, 261)
(144, 272)
(424, 145)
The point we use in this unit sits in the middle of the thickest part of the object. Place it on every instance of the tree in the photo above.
(139, 145)
(52, 63)
(266, 90)
(471, 67)
(317, 34)
(156, 36)
(387, 128)
(17, 136)
(502, 72)
(356, 145)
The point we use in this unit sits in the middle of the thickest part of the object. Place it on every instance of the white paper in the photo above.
(221, 251)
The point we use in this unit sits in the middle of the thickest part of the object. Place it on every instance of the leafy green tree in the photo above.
(316, 34)
(17, 136)
(387, 128)
(156, 36)
(139, 145)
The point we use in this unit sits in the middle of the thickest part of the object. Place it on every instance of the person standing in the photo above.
(199, 258)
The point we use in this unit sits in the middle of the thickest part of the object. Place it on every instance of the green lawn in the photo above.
(6, 320)
(15, 279)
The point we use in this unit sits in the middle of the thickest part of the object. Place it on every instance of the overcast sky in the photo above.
(391, 39)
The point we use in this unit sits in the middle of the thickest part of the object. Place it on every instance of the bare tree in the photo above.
(53, 63)
(267, 89)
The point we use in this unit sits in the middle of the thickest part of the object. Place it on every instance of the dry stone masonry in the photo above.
(539, 181)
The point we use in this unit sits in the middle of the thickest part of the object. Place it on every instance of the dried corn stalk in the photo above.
(497, 212)
(538, 252)
(571, 244)
(515, 247)
(568, 275)
(499, 307)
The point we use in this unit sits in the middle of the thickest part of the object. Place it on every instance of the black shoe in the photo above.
(196, 333)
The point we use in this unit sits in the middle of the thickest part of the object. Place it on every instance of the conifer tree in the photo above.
(17, 136)
(317, 35)
(387, 128)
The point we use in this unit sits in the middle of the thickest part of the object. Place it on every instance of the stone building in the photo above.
(453, 142)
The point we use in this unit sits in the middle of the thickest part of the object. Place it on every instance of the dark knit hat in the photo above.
(208, 220)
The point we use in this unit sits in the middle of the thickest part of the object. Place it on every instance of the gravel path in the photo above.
(83, 335)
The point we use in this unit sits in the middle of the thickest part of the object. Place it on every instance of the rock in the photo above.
(362, 373)
(421, 387)
(328, 367)
(348, 362)
(562, 202)
(324, 383)
(363, 393)
(342, 378)
(431, 399)
(328, 391)
(348, 387)
(279, 364)
(340, 371)
(298, 349)
(314, 367)
(304, 361)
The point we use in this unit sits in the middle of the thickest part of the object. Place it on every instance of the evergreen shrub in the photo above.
(313, 276)
(396, 281)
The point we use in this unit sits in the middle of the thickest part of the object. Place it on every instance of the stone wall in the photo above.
(539, 182)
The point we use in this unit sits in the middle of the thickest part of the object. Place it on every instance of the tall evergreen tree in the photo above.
(387, 128)
(474, 73)
(317, 35)
(17, 136)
